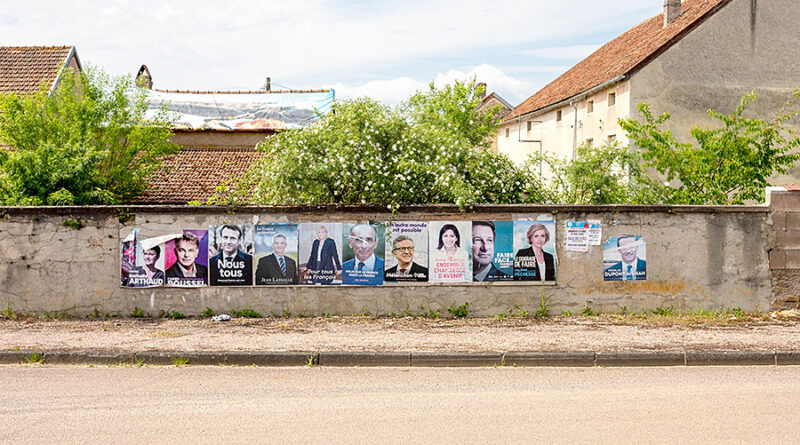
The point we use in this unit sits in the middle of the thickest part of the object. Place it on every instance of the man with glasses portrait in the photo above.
(406, 269)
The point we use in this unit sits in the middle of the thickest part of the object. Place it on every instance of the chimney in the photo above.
(482, 84)
(144, 79)
(672, 10)
(268, 85)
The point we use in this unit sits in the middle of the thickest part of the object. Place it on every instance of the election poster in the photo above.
(148, 265)
(576, 236)
(492, 250)
(186, 259)
(595, 232)
(275, 254)
(407, 252)
(128, 256)
(535, 258)
(450, 251)
(320, 253)
(230, 248)
(625, 258)
(363, 246)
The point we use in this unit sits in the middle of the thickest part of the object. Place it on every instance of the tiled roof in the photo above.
(194, 174)
(621, 56)
(496, 97)
(24, 68)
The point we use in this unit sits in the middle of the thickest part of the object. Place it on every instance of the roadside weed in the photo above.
(245, 313)
(137, 312)
(35, 358)
(459, 311)
(543, 310)
(8, 313)
(180, 361)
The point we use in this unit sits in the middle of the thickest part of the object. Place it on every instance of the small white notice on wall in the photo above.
(576, 236)
(595, 232)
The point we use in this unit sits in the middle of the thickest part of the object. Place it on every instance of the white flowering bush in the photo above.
(432, 148)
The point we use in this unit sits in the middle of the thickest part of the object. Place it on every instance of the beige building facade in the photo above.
(560, 129)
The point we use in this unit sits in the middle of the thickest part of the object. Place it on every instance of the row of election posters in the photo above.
(359, 253)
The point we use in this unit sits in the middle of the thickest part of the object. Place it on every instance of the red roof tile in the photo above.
(621, 56)
(194, 174)
(23, 69)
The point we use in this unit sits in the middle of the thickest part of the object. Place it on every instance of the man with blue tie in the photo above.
(277, 268)
(631, 268)
(366, 268)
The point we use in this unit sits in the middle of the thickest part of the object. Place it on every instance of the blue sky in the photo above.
(385, 50)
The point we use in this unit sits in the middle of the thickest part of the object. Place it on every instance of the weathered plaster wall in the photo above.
(220, 139)
(747, 45)
(698, 257)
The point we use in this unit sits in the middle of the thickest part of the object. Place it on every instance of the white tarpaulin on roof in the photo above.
(246, 111)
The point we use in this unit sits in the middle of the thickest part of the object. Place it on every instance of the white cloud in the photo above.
(388, 91)
(207, 44)
(395, 90)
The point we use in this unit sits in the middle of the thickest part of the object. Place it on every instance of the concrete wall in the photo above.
(698, 257)
(747, 45)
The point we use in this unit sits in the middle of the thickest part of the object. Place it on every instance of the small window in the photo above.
(612, 99)
(558, 116)
(590, 106)
(507, 133)
(529, 125)
(612, 137)
(590, 142)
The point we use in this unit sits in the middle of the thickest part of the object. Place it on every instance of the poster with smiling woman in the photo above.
(535, 246)
(450, 251)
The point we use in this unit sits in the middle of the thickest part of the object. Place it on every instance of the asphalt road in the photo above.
(79, 404)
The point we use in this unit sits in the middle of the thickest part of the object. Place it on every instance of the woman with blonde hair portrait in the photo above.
(537, 264)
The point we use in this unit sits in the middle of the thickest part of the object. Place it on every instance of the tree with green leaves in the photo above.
(728, 165)
(89, 141)
(610, 174)
(432, 148)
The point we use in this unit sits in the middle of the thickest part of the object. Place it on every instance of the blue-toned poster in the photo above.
(363, 253)
(624, 258)
(534, 243)
(492, 250)
(276, 254)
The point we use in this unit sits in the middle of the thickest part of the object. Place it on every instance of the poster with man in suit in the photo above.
(186, 259)
(362, 252)
(492, 250)
(276, 254)
(408, 244)
(230, 264)
(624, 258)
